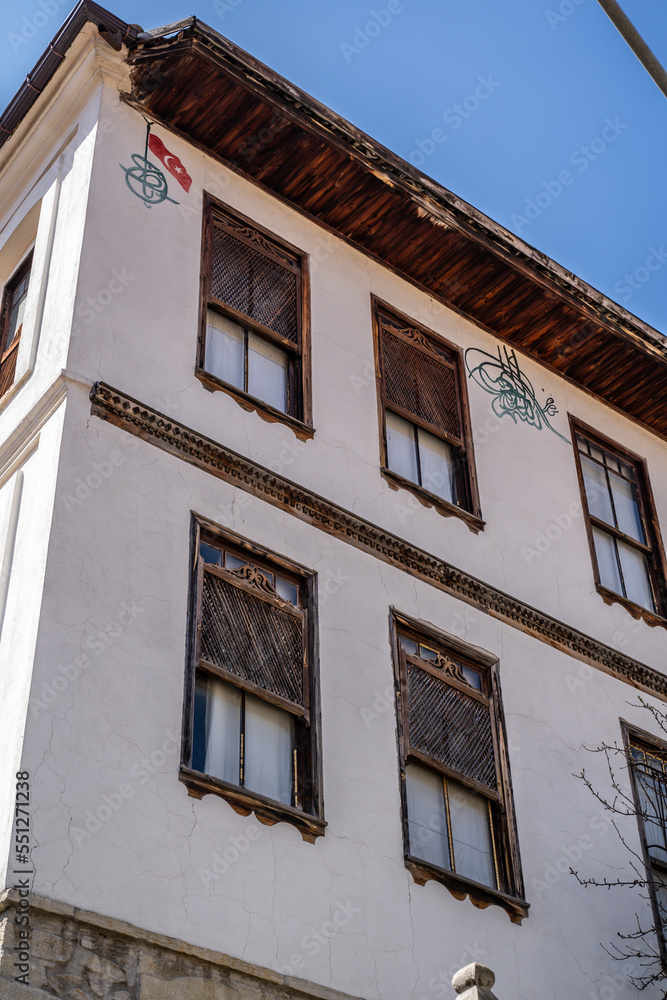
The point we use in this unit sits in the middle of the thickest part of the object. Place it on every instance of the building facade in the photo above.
(330, 519)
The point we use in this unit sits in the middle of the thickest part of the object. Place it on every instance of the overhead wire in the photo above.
(646, 56)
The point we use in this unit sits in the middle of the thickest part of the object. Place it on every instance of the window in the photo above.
(424, 420)
(250, 698)
(253, 317)
(622, 526)
(648, 765)
(458, 822)
(11, 322)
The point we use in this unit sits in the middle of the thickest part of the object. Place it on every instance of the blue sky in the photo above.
(534, 111)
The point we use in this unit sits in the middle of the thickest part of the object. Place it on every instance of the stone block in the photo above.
(474, 982)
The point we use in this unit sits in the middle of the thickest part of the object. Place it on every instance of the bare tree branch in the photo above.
(642, 945)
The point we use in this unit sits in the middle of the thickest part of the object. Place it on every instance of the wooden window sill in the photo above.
(267, 811)
(252, 404)
(636, 610)
(459, 886)
(428, 499)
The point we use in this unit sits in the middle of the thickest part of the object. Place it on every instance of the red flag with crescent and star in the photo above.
(171, 162)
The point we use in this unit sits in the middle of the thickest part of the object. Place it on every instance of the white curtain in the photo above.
(223, 731)
(635, 576)
(435, 457)
(401, 449)
(471, 834)
(607, 564)
(597, 491)
(427, 819)
(267, 372)
(269, 742)
(225, 351)
(627, 510)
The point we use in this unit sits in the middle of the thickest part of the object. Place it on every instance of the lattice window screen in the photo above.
(253, 283)
(252, 638)
(8, 367)
(418, 382)
(450, 726)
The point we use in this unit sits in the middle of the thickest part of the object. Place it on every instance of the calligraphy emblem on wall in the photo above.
(513, 392)
(147, 181)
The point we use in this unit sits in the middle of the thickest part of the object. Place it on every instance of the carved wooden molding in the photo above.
(176, 438)
(254, 576)
(243, 802)
(268, 413)
(459, 887)
(449, 667)
(432, 501)
(414, 336)
(254, 238)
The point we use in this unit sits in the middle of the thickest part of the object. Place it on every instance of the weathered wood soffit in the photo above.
(200, 85)
(203, 87)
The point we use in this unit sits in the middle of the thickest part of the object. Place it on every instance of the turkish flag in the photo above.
(171, 162)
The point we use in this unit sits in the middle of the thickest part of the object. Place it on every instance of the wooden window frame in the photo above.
(309, 819)
(9, 352)
(654, 550)
(633, 736)
(419, 336)
(300, 420)
(507, 858)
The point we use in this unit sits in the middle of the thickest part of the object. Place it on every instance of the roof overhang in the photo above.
(215, 95)
(114, 30)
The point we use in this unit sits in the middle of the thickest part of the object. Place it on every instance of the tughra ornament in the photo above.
(474, 982)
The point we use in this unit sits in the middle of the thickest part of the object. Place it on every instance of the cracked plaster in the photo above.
(129, 540)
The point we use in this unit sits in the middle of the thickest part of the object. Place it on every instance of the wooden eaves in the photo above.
(215, 95)
(203, 87)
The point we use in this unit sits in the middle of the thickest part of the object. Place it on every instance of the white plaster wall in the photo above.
(44, 176)
(27, 486)
(107, 688)
(138, 332)
(116, 722)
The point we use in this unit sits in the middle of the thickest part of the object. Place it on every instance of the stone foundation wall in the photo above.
(77, 955)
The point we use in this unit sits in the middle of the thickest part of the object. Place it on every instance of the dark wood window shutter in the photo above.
(250, 722)
(420, 381)
(8, 366)
(9, 351)
(255, 277)
(252, 637)
(425, 435)
(458, 815)
(449, 725)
